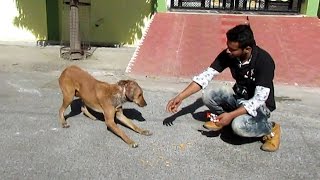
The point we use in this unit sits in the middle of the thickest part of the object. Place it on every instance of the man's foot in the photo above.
(272, 141)
(212, 126)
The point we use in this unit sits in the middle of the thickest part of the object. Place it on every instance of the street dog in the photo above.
(101, 97)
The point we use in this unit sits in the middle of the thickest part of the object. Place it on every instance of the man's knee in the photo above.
(207, 97)
(238, 126)
(244, 127)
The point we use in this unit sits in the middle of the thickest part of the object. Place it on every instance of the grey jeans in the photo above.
(220, 101)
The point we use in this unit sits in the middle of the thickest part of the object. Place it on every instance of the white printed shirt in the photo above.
(260, 95)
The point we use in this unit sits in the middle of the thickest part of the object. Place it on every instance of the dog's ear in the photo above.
(122, 82)
(131, 87)
(129, 90)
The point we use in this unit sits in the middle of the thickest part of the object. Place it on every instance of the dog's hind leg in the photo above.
(128, 122)
(87, 113)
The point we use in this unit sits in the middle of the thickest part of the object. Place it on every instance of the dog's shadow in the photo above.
(226, 134)
(76, 110)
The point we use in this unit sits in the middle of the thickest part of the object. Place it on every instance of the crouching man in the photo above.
(247, 109)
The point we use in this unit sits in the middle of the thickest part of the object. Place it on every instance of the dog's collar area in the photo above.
(124, 94)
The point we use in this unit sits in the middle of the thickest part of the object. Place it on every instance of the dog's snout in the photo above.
(141, 102)
(144, 103)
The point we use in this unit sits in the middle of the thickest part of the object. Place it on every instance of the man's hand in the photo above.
(227, 117)
(224, 119)
(173, 104)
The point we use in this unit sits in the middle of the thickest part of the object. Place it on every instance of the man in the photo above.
(248, 108)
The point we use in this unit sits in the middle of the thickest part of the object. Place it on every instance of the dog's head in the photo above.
(133, 92)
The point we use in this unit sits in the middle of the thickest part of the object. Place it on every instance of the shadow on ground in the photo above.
(200, 116)
(76, 110)
(226, 134)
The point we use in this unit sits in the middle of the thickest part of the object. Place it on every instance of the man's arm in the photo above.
(192, 88)
(174, 103)
(226, 118)
(261, 94)
(249, 107)
(199, 82)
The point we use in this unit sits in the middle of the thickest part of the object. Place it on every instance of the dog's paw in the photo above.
(65, 125)
(134, 145)
(146, 133)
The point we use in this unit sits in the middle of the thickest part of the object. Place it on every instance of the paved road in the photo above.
(33, 146)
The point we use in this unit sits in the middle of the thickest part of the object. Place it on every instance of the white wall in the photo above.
(8, 31)
(168, 4)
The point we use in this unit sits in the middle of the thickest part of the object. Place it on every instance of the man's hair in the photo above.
(242, 34)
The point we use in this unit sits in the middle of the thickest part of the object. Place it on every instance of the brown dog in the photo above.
(101, 97)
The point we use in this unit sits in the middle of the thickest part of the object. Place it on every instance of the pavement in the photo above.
(34, 146)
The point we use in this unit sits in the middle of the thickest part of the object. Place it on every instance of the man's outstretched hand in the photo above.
(173, 105)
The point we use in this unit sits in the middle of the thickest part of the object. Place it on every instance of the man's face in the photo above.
(234, 50)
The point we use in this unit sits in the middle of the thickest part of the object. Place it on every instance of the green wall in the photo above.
(32, 16)
(319, 10)
(109, 22)
(310, 7)
(162, 6)
(52, 7)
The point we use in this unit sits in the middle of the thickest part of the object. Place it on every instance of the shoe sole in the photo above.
(212, 129)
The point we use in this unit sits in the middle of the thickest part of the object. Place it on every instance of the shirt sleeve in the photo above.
(203, 78)
(264, 73)
(260, 96)
(221, 62)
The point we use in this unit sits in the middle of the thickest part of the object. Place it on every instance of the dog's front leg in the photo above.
(109, 114)
(87, 113)
(129, 123)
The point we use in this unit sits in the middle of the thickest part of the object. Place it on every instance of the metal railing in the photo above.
(289, 6)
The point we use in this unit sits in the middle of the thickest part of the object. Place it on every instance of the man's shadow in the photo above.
(226, 134)
(76, 110)
(200, 116)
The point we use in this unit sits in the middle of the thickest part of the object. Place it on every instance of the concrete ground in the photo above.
(34, 146)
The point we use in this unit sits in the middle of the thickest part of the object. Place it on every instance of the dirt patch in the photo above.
(286, 98)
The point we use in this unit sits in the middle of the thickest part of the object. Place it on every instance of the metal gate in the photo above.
(287, 6)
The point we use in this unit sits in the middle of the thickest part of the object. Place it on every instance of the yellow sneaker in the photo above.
(212, 126)
(272, 141)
